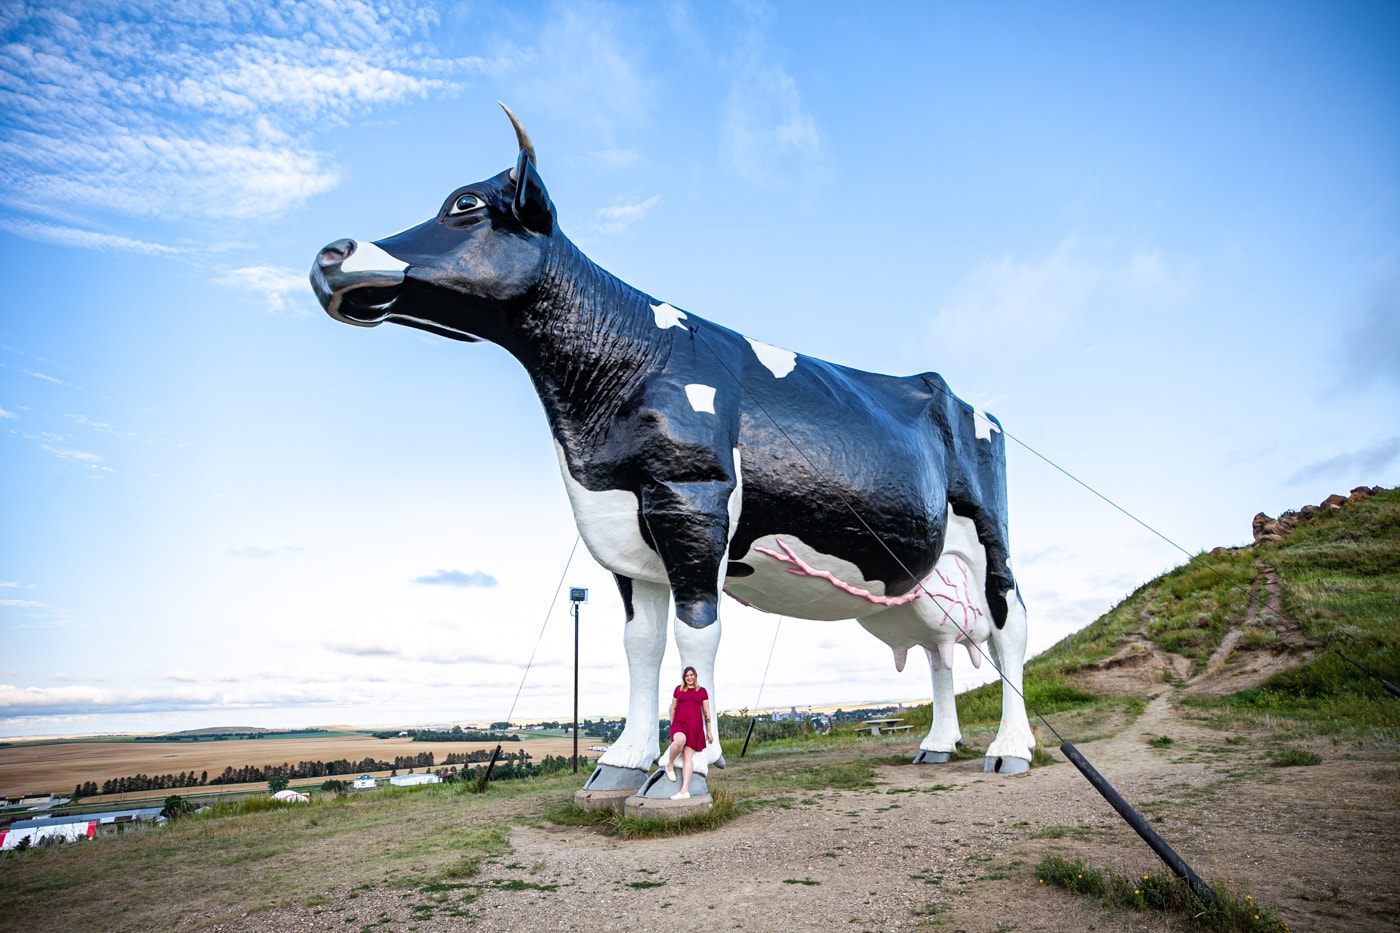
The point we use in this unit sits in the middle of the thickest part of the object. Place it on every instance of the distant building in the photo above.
(412, 780)
(365, 782)
(291, 796)
(72, 828)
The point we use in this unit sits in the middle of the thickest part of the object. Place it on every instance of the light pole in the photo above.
(578, 596)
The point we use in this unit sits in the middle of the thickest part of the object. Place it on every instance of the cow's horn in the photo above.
(522, 137)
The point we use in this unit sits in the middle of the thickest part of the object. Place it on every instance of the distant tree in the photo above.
(278, 782)
(176, 807)
(337, 787)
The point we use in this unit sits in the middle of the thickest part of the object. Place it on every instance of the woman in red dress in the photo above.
(690, 729)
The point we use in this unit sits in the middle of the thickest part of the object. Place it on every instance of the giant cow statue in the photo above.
(698, 460)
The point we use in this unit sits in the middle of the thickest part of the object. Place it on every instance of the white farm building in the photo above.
(413, 780)
(365, 782)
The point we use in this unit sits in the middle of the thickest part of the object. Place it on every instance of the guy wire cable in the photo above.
(550, 608)
(1148, 835)
(753, 714)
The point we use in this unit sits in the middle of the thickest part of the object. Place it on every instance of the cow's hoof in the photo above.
(718, 762)
(926, 757)
(659, 787)
(611, 777)
(1005, 764)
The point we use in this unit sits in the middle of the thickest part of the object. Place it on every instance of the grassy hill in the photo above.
(1245, 632)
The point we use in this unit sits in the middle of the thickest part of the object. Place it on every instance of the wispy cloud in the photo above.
(32, 603)
(1363, 466)
(362, 649)
(279, 287)
(85, 239)
(83, 457)
(14, 585)
(5, 413)
(1036, 299)
(177, 111)
(1372, 346)
(45, 377)
(587, 69)
(769, 136)
(618, 217)
(457, 578)
(257, 552)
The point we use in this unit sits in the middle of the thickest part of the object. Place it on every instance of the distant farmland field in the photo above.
(59, 766)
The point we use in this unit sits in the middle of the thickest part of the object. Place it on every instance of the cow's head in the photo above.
(459, 273)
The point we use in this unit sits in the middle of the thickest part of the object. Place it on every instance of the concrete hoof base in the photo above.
(659, 787)
(613, 800)
(664, 808)
(1005, 764)
(926, 757)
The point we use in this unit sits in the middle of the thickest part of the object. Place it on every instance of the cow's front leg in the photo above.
(697, 647)
(629, 758)
(689, 525)
(1010, 752)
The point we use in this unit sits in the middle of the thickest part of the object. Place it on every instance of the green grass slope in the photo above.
(1292, 611)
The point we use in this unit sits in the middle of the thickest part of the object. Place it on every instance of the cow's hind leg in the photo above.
(1010, 752)
(625, 764)
(944, 734)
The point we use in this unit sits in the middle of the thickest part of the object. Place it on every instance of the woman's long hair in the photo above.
(690, 670)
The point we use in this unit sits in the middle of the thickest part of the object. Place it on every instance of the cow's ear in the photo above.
(531, 203)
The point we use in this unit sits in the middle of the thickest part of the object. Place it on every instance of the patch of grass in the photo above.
(807, 881)
(646, 884)
(1162, 894)
(1162, 741)
(725, 808)
(1293, 758)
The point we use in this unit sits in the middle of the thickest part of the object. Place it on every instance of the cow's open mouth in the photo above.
(368, 304)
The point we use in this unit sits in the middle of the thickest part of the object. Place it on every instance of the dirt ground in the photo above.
(946, 847)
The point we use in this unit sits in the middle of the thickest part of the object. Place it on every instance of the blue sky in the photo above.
(1161, 242)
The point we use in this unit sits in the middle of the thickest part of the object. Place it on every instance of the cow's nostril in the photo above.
(336, 252)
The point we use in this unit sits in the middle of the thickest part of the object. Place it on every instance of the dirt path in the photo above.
(946, 847)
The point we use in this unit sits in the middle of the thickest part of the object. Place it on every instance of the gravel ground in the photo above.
(943, 847)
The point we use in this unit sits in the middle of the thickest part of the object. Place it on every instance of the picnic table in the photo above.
(883, 726)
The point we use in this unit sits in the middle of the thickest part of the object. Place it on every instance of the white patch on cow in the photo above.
(702, 397)
(983, 425)
(608, 523)
(369, 258)
(667, 316)
(780, 362)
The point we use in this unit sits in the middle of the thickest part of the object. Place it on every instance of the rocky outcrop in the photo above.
(1275, 529)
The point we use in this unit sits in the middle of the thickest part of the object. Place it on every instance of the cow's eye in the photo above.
(467, 202)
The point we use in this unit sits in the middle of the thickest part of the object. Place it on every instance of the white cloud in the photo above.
(5, 413)
(620, 216)
(256, 552)
(85, 239)
(274, 284)
(458, 578)
(769, 136)
(187, 111)
(1025, 303)
(13, 585)
(88, 459)
(1362, 465)
(33, 603)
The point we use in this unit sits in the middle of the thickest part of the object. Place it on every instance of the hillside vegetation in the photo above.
(1281, 627)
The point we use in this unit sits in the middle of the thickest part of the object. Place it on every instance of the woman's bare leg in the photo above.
(687, 769)
(677, 743)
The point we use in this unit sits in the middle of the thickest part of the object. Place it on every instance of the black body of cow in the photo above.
(854, 464)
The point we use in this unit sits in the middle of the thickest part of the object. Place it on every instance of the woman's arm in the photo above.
(705, 708)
